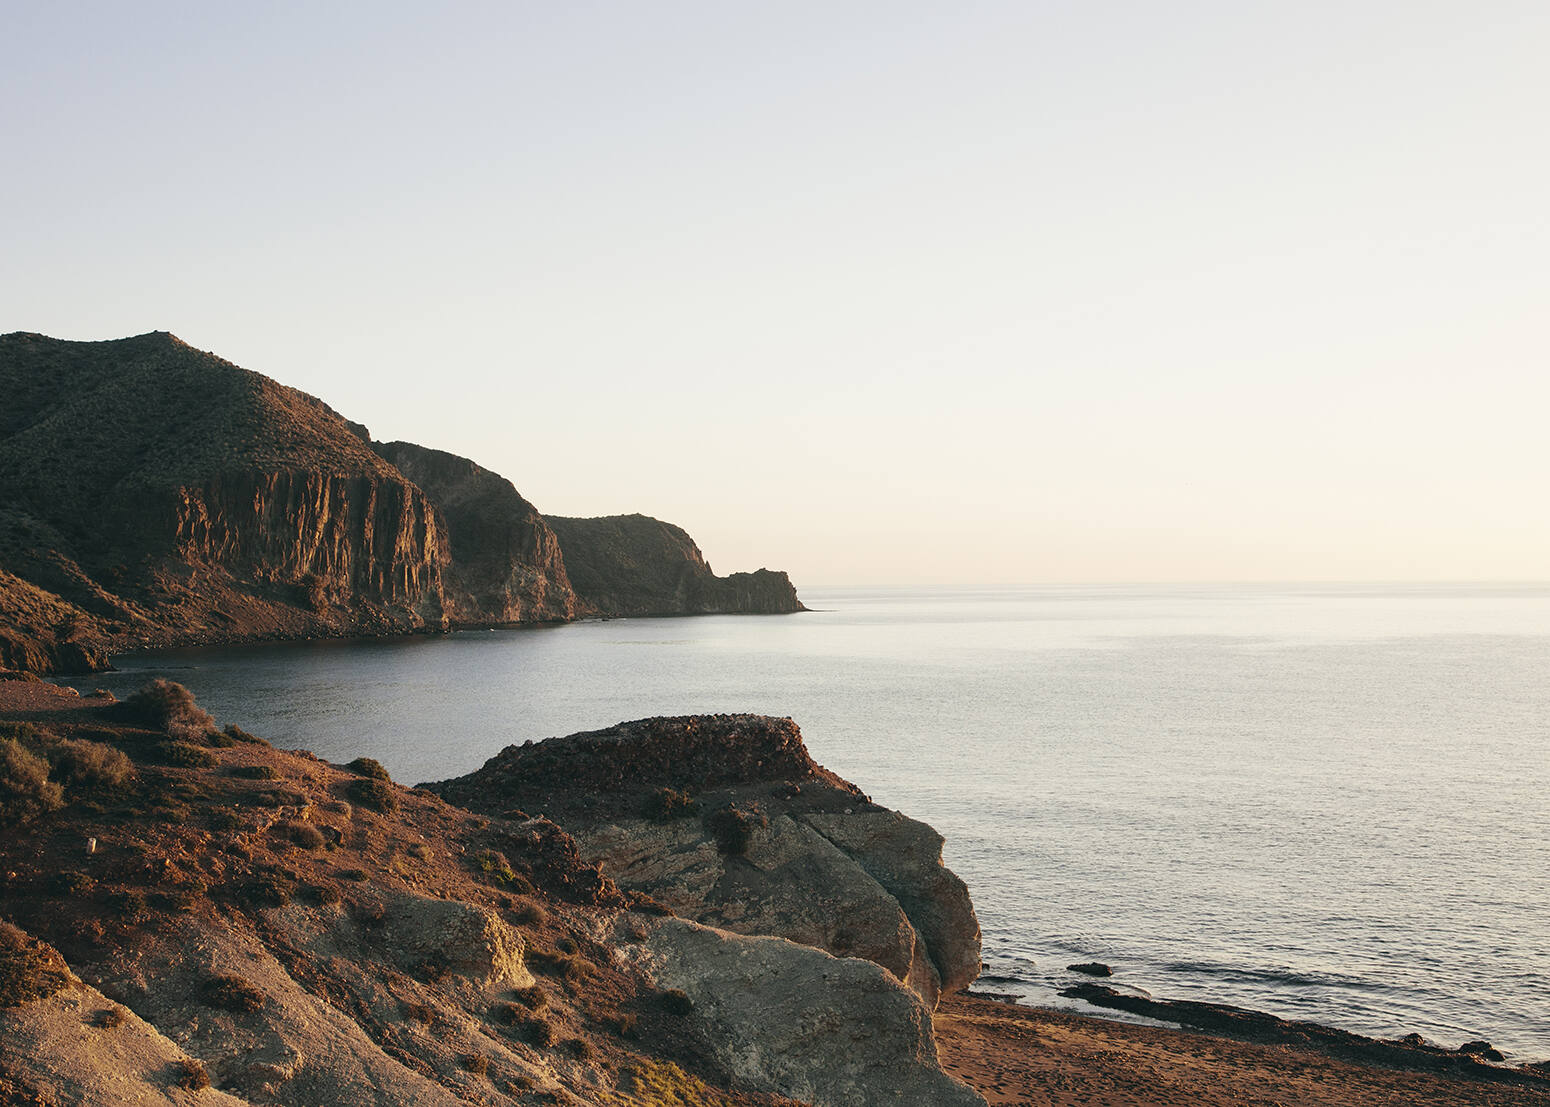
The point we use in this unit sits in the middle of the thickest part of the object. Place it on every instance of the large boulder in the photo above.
(789, 1019)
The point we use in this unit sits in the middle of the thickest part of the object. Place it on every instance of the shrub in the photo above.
(29, 969)
(354, 874)
(185, 755)
(492, 864)
(300, 833)
(190, 1076)
(369, 767)
(168, 707)
(627, 1025)
(665, 804)
(269, 890)
(418, 1012)
(25, 789)
(675, 1002)
(373, 793)
(232, 993)
(532, 997)
(128, 904)
(323, 894)
(71, 883)
(733, 828)
(579, 1048)
(567, 945)
(109, 1018)
(476, 1063)
(254, 772)
(219, 740)
(529, 913)
(224, 820)
(84, 766)
(538, 1030)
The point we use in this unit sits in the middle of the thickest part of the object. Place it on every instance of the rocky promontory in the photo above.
(191, 915)
(153, 494)
(637, 565)
(728, 821)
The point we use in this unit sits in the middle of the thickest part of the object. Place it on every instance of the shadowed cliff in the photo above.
(637, 565)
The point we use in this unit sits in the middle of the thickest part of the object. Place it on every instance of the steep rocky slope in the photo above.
(636, 565)
(727, 820)
(250, 925)
(506, 562)
(154, 494)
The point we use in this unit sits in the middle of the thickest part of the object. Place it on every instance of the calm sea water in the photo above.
(1329, 803)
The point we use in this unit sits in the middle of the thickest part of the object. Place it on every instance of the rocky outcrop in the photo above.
(636, 565)
(506, 564)
(787, 1018)
(728, 821)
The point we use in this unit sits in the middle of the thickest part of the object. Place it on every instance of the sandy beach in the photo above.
(1016, 1055)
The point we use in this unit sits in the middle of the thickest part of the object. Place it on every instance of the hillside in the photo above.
(188, 908)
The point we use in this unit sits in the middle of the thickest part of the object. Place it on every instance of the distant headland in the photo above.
(152, 494)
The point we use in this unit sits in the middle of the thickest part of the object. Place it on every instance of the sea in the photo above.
(1325, 802)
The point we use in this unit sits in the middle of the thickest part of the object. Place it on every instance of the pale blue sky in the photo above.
(882, 292)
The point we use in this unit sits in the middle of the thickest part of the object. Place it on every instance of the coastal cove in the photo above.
(1322, 802)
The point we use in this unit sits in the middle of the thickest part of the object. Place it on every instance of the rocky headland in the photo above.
(727, 821)
(195, 916)
(153, 494)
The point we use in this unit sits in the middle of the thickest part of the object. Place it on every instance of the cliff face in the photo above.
(154, 494)
(727, 820)
(506, 562)
(636, 565)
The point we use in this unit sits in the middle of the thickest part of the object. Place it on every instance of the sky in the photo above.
(968, 293)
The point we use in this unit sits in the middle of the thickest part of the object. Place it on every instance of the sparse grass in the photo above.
(664, 1084)
(232, 993)
(372, 793)
(29, 969)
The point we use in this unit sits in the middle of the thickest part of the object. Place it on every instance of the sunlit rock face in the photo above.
(728, 821)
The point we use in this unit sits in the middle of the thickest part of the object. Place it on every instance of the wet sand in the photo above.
(1025, 1055)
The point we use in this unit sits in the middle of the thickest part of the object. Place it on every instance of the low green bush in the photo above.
(169, 707)
(91, 767)
(185, 755)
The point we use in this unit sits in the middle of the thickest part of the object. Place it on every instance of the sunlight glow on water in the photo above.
(1325, 802)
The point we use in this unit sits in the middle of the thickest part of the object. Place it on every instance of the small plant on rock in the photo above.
(368, 767)
(665, 804)
(232, 993)
(734, 828)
